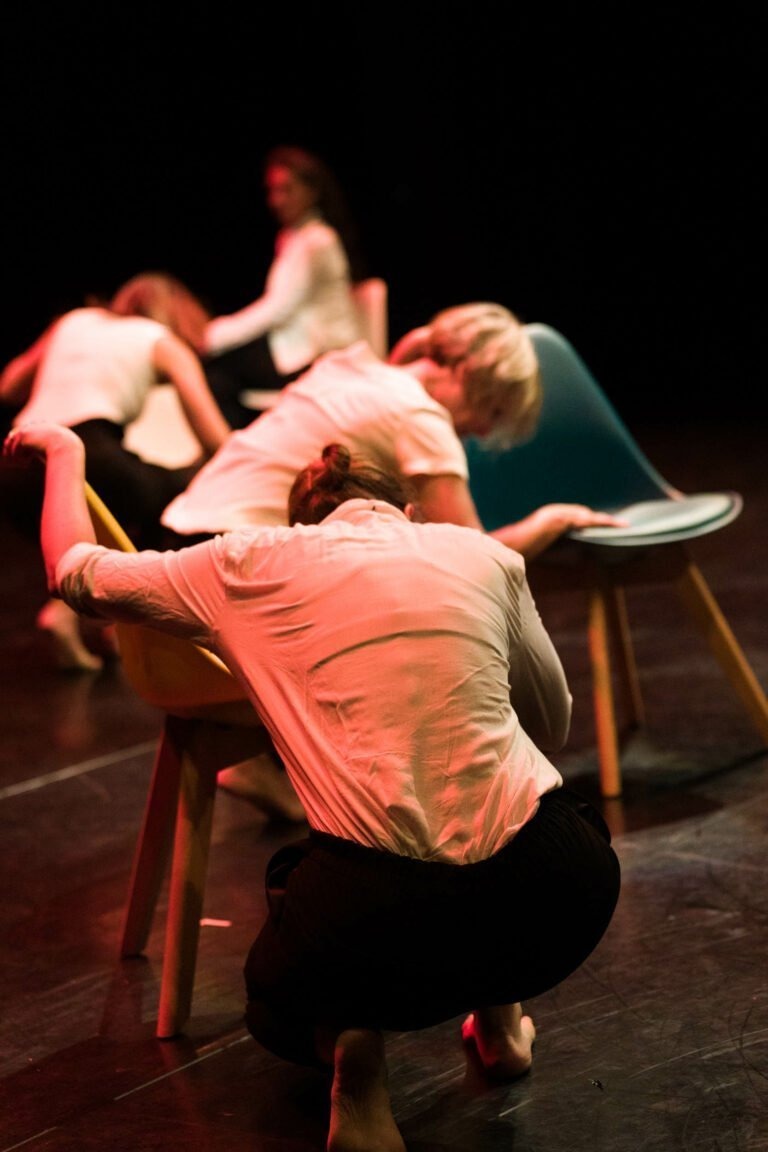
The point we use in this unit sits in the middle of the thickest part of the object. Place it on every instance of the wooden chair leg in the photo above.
(602, 689)
(705, 612)
(627, 674)
(187, 884)
(153, 848)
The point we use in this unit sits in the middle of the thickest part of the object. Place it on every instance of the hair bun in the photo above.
(337, 460)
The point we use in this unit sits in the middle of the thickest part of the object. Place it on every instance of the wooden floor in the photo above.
(660, 1041)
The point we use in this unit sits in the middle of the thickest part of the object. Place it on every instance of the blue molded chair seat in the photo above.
(583, 453)
(658, 521)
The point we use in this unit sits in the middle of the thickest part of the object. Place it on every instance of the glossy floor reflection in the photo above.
(659, 1043)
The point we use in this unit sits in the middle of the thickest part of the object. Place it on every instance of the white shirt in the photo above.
(381, 655)
(96, 366)
(350, 397)
(307, 306)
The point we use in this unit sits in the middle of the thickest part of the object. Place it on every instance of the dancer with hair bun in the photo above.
(413, 693)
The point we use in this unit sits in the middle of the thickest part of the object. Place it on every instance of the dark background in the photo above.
(599, 171)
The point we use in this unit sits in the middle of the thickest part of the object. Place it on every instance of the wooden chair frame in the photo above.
(208, 724)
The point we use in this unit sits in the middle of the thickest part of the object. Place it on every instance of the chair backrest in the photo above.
(372, 301)
(165, 671)
(581, 451)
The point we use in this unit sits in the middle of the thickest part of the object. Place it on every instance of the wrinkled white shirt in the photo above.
(402, 669)
(350, 397)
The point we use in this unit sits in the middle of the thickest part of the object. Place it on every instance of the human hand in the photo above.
(569, 516)
(552, 521)
(537, 531)
(38, 439)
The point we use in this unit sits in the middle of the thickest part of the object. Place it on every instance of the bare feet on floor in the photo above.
(503, 1039)
(62, 626)
(263, 781)
(361, 1113)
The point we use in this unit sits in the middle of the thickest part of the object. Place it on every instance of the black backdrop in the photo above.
(600, 172)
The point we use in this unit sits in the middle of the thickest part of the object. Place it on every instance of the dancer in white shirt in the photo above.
(413, 693)
(307, 306)
(471, 370)
(92, 370)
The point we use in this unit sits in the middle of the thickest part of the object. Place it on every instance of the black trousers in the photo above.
(135, 491)
(361, 938)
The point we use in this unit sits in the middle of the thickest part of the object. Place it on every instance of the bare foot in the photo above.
(62, 626)
(503, 1039)
(263, 781)
(361, 1113)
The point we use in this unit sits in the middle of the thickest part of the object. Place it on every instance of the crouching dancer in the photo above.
(412, 692)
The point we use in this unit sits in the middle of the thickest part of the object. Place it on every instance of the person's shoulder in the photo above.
(77, 321)
(243, 551)
(480, 542)
(359, 368)
(353, 360)
(319, 233)
(140, 326)
(81, 316)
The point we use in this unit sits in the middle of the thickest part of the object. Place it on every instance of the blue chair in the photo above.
(582, 452)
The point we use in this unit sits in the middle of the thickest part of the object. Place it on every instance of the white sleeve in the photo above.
(176, 592)
(289, 284)
(426, 444)
(538, 688)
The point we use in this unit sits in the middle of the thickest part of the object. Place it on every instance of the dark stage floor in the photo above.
(659, 1043)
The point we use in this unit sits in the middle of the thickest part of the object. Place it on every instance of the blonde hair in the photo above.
(162, 297)
(494, 359)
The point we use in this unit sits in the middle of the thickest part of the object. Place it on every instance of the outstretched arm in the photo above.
(106, 583)
(290, 282)
(447, 499)
(176, 362)
(65, 518)
(535, 532)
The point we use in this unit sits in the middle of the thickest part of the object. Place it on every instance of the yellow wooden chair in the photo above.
(207, 724)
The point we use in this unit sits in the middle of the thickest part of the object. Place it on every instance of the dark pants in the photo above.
(248, 367)
(135, 492)
(361, 938)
